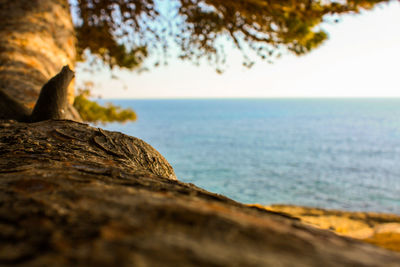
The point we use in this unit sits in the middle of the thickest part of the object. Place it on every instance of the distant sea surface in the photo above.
(329, 153)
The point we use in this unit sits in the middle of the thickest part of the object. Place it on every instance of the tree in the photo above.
(73, 195)
(38, 36)
(122, 33)
(37, 39)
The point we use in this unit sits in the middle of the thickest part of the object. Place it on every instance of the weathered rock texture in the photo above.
(37, 38)
(72, 195)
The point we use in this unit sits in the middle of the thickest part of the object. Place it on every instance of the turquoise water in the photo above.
(340, 153)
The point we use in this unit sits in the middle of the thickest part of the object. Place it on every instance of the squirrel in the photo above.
(51, 104)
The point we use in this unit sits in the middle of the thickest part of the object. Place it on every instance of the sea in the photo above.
(328, 153)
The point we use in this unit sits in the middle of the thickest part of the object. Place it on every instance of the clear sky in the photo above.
(360, 59)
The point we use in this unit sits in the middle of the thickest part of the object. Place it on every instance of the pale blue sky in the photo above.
(360, 59)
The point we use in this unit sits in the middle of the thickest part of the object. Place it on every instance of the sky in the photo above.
(360, 59)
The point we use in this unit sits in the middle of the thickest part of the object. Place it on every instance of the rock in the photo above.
(73, 195)
(376, 228)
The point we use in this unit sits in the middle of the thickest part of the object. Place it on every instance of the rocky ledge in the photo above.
(376, 228)
(73, 195)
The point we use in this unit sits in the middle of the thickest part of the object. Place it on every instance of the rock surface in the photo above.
(73, 195)
(376, 228)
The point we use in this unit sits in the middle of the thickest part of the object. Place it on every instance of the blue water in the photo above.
(340, 153)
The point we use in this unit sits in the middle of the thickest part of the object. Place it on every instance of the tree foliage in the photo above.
(93, 112)
(124, 32)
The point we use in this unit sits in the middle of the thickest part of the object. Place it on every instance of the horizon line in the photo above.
(249, 98)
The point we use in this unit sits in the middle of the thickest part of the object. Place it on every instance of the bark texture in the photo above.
(36, 39)
(73, 195)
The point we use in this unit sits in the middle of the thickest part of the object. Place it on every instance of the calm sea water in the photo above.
(340, 153)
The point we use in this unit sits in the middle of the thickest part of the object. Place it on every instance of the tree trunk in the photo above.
(37, 38)
(73, 195)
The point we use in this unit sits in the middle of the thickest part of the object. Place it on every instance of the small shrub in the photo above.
(91, 111)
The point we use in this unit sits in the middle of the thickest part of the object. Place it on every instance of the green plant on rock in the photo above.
(91, 111)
